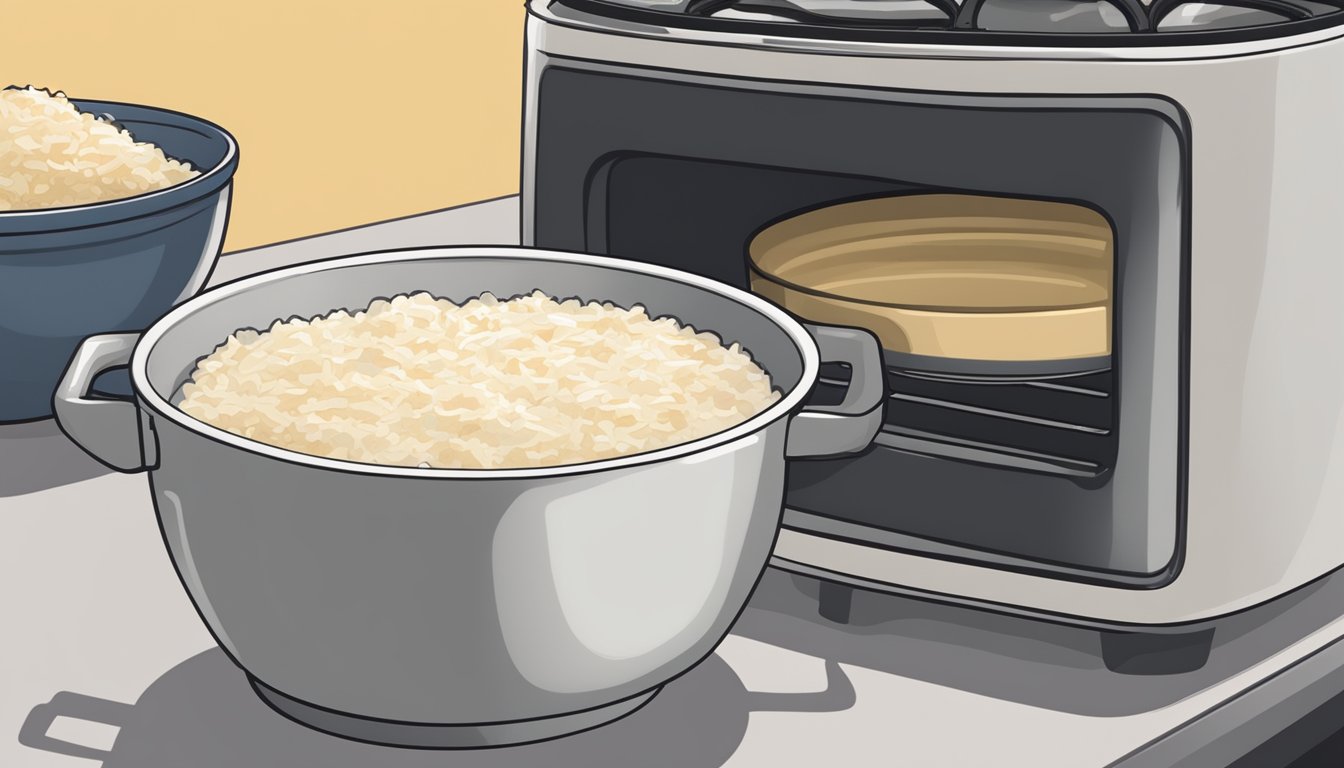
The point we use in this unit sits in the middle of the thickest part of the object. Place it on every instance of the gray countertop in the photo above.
(98, 630)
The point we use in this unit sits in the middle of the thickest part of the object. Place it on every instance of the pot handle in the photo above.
(113, 431)
(827, 430)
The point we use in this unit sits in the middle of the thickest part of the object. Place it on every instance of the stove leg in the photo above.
(834, 601)
(1148, 653)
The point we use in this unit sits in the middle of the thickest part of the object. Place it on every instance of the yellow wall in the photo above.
(298, 83)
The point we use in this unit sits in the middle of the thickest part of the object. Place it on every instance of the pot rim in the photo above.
(802, 340)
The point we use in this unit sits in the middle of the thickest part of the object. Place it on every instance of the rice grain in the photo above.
(53, 155)
(422, 381)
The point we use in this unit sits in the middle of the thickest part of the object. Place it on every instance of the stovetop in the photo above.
(1021, 22)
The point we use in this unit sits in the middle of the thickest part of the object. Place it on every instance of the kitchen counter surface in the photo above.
(98, 630)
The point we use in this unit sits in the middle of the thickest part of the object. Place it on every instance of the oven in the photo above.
(1024, 218)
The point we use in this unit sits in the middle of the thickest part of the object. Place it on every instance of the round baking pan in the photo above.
(967, 285)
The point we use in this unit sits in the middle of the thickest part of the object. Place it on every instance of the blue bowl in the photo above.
(69, 273)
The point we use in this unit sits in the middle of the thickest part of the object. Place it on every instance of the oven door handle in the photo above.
(827, 430)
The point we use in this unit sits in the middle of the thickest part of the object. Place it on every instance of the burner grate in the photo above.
(1037, 17)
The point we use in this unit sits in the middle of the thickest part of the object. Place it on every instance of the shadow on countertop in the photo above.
(37, 456)
(1035, 663)
(203, 714)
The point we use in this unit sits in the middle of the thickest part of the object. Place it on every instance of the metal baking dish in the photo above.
(949, 281)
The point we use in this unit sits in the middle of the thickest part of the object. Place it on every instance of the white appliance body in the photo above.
(1262, 422)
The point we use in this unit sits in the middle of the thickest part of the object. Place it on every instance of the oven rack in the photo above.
(1057, 426)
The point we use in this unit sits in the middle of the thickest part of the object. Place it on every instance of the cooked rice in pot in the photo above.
(527, 382)
(53, 155)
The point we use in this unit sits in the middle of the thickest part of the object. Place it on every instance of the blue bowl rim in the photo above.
(30, 221)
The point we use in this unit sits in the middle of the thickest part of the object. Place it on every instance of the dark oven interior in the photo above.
(1072, 472)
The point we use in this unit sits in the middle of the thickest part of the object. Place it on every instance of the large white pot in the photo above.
(459, 608)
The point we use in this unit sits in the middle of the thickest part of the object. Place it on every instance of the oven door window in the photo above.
(1020, 258)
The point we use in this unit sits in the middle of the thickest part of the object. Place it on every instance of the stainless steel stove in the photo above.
(1178, 459)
